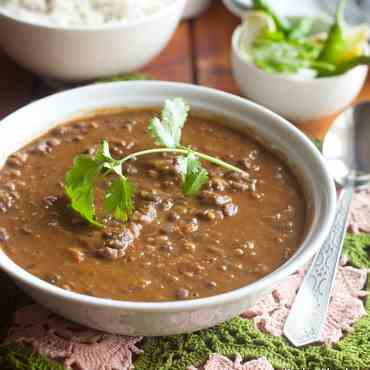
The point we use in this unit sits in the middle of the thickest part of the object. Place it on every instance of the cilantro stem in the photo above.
(206, 157)
(119, 197)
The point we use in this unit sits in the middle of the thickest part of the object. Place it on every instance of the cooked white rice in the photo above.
(81, 12)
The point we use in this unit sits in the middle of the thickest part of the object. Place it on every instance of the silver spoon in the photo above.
(347, 153)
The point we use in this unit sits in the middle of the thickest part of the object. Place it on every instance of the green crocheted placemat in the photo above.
(241, 336)
(235, 336)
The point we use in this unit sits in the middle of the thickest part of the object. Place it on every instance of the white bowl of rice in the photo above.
(76, 40)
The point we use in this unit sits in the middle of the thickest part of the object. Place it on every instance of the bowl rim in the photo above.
(103, 27)
(289, 267)
(284, 77)
(238, 12)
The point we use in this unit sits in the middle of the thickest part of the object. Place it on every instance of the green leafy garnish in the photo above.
(318, 143)
(167, 130)
(103, 153)
(126, 77)
(275, 53)
(79, 186)
(289, 46)
(80, 181)
(108, 162)
(193, 175)
(119, 197)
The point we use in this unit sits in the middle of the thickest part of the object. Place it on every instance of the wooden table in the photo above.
(198, 53)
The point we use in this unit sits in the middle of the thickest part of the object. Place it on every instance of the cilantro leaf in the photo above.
(119, 198)
(109, 163)
(79, 186)
(273, 53)
(193, 175)
(167, 130)
(103, 153)
(161, 134)
(79, 182)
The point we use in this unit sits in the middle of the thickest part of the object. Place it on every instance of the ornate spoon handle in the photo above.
(309, 311)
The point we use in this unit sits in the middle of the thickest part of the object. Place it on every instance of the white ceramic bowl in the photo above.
(171, 317)
(194, 8)
(85, 53)
(296, 99)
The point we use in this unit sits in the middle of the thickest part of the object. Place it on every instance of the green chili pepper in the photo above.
(344, 46)
(338, 42)
(345, 66)
(323, 69)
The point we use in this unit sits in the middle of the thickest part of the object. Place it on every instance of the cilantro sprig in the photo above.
(80, 181)
(193, 175)
(166, 130)
(79, 186)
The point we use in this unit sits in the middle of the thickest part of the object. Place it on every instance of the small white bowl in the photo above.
(167, 318)
(85, 53)
(298, 100)
(194, 8)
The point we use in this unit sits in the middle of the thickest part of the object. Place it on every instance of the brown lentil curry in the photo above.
(238, 229)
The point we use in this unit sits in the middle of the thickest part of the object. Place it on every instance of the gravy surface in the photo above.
(174, 247)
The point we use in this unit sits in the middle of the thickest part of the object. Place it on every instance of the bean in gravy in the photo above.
(238, 229)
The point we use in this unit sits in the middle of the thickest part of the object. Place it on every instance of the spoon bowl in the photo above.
(346, 147)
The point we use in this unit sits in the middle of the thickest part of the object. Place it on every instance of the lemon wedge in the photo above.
(357, 37)
(255, 23)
